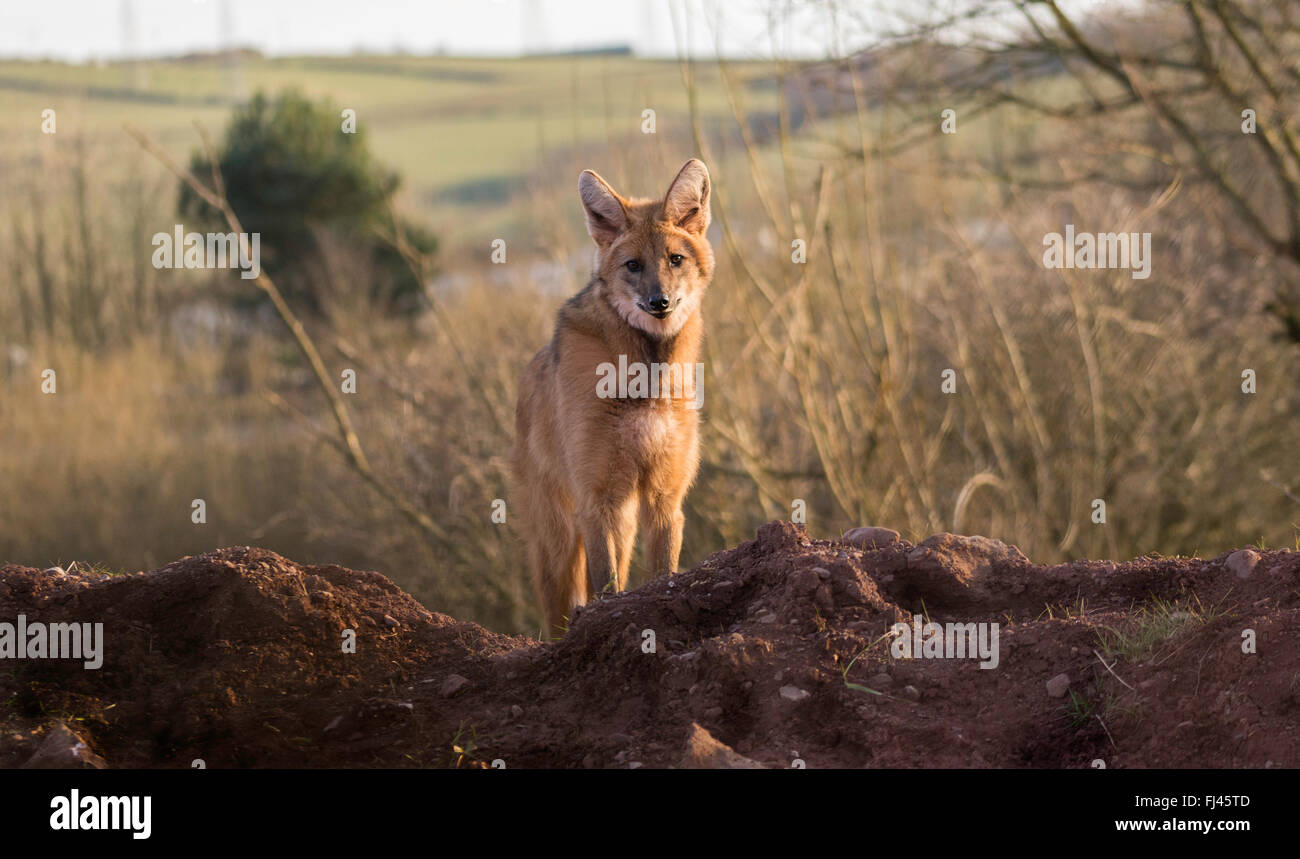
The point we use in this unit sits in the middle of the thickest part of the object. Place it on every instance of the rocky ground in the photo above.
(776, 653)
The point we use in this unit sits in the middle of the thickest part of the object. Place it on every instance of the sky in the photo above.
(86, 30)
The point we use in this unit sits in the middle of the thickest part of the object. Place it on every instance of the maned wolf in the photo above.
(590, 460)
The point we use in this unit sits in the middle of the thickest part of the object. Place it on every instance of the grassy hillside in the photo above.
(464, 133)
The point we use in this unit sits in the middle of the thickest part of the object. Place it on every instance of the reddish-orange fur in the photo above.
(587, 470)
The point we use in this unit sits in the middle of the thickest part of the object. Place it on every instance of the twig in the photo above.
(1112, 671)
(1107, 730)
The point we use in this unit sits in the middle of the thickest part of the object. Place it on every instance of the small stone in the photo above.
(516, 711)
(794, 693)
(704, 752)
(1242, 562)
(804, 581)
(453, 685)
(880, 681)
(870, 537)
(1057, 686)
(63, 748)
(391, 621)
(54, 571)
(912, 692)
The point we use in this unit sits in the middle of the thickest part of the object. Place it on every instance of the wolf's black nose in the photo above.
(659, 303)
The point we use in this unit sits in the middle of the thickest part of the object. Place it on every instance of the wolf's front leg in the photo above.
(609, 530)
(664, 522)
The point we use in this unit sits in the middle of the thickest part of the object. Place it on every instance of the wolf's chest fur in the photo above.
(653, 430)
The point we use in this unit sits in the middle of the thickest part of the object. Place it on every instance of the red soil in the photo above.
(234, 657)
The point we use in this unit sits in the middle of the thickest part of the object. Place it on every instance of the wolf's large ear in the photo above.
(606, 217)
(687, 202)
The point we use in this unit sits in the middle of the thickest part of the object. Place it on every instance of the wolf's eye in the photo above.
(675, 259)
(633, 265)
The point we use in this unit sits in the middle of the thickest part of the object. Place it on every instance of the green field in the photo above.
(464, 134)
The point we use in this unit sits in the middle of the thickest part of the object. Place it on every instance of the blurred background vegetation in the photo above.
(924, 253)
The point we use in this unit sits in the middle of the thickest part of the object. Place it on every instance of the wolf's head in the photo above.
(651, 255)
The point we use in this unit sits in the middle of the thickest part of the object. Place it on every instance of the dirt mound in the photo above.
(776, 653)
(234, 657)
